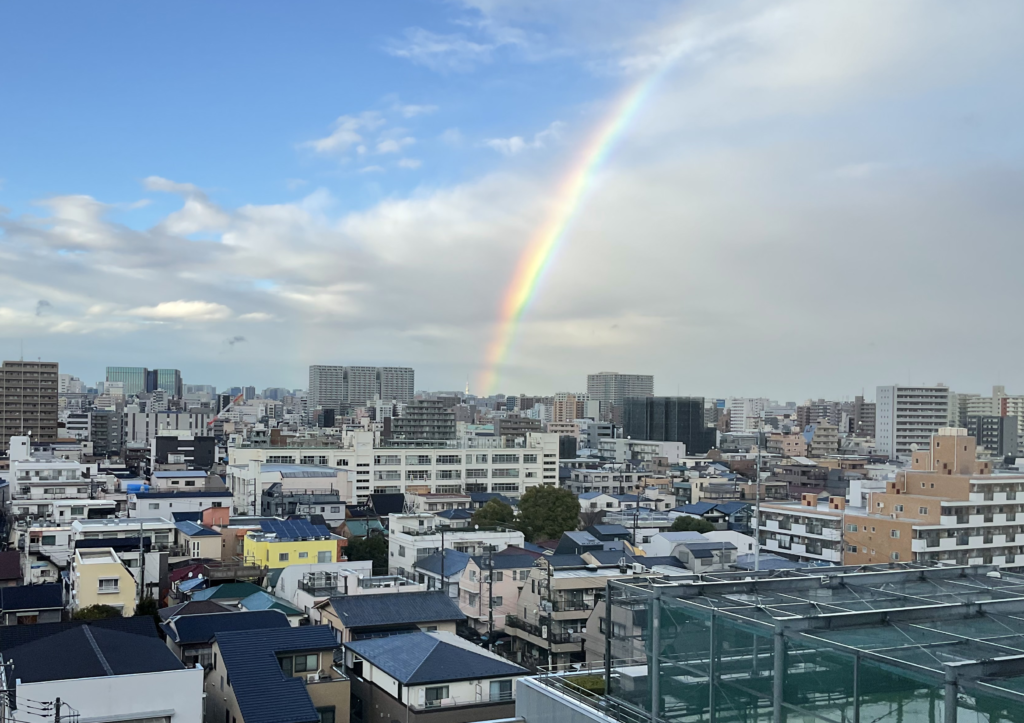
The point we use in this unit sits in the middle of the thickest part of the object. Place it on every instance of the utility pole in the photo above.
(56, 711)
(757, 501)
(490, 599)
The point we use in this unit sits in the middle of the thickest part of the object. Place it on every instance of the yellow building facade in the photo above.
(273, 552)
(98, 577)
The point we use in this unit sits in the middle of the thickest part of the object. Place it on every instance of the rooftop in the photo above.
(201, 628)
(421, 658)
(402, 608)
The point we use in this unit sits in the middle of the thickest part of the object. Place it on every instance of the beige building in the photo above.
(824, 439)
(98, 577)
(787, 445)
(28, 400)
(489, 588)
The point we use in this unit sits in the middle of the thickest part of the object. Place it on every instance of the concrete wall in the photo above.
(174, 693)
(536, 703)
(379, 706)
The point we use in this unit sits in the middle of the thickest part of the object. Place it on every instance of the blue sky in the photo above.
(354, 183)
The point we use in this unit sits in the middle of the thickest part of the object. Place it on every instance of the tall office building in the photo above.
(669, 419)
(333, 387)
(170, 381)
(909, 415)
(134, 379)
(615, 388)
(28, 400)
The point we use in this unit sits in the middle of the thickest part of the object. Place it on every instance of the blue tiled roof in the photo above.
(730, 508)
(228, 591)
(419, 658)
(403, 608)
(264, 601)
(697, 508)
(294, 529)
(263, 692)
(195, 530)
(454, 562)
(192, 629)
(557, 561)
(31, 597)
(166, 474)
(455, 514)
(196, 583)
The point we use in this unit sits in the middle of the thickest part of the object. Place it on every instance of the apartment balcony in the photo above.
(555, 642)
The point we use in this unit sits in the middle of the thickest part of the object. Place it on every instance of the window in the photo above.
(476, 474)
(303, 555)
(286, 665)
(449, 474)
(49, 540)
(898, 508)
(307, 663)
(505, 458)
(851, 548)
(109, 585)
(335, 510)
(481, 459)
(501, 690)
(401, 550)
(190, 483)
(324, 556)
(154, 505)
(326, 715)
(894, 533)
(416, 475)
(499, 576)
(435, 694)
(282, 557)
(417, 459)
(496, 601)
(851, 528)
(922, 510)
(77, 511)
(895, 556)
(506, 472)
(530, 459)
(449, 459)
(505, 487)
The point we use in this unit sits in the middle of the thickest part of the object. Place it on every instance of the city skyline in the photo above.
(807, 205)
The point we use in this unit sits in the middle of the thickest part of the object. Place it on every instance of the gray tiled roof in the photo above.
(418, 658)
(192, 629)
(399, 608)
(264, 693)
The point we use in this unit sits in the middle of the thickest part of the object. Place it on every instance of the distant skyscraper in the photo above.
(134, 379)
(909, 415)
(249, 393)
(336, 386)
(669, 419)
(170, 381)
(614, 387)
(28, 401)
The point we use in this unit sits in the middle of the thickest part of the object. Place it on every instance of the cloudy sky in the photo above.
(812, 199)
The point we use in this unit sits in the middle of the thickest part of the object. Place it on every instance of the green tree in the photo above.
(372, 547)
(495, 512)
(684, 523)
(546, 512)
(97, 612)
(146, 607)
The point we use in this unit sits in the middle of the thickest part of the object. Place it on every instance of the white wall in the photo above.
(177, 693)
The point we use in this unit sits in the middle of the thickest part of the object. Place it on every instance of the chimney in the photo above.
(809, 499)
(837, 502)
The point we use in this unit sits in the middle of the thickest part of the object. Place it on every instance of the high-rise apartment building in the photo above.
(28, 400)
(909, 415)
(424, 420)
(863, 417)
(569, 406)
(337, 386)
(669, 419)
(745, 413)
(616, 388)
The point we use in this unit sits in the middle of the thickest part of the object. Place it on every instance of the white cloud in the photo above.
(452, 137)
(293, 184)
(411, 111)
(517, 144)
(372, 169)
(197, 215)
(394, 145)
(440, 52)
(348, 132)
(410, 163)
(182, 310)
(163, 185)
(256, 316)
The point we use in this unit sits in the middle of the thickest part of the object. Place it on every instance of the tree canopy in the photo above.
(685, 523)
(372, 547)
(97, 612)
(495, 512)
(546, 512)
(147, 606)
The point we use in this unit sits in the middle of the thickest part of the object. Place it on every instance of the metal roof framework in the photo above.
(958, 630)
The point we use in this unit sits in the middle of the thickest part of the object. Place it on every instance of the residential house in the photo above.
(264, 601)
(443, 564)
(192, 607)
(32, 604)
(190, 637)
(99, 577)
(358, 527)
(196, 479)
(102, 672)
(229, 594)
(433, 676)
(354, 617)
(196, 541)
(166, 503)
(284, 675)
(489, 588)
(279, 543)
(412, 538)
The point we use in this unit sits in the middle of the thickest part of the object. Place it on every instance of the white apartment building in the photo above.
(909, 415)
(745, 413)
(614, 387)
(331, 386)
(508, 465)
(141, 427)
(413, 537)
(624, 450)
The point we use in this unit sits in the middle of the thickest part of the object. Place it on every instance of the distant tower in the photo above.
(467, 386)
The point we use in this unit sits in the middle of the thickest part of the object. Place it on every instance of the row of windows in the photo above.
(395, 460)
(321, 556)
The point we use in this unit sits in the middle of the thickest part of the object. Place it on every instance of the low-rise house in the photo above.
(432, 676)
(279, 543)
(102, 673)
(230, 593)
(192, 607)
(489, 589)
(184, 479)
(354, 617)
(665, 543)
(361, 527)
(99, 577)
(411, 538)
(190, 637)
(276, 676)
(49, 550)
(262, 601)
(32, 604)
(197, 542)
(431, 569)
(165, 503)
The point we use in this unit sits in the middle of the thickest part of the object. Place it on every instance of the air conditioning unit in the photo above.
(638, 568)
(312, 677)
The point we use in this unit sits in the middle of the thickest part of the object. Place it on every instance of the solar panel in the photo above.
(294, 529)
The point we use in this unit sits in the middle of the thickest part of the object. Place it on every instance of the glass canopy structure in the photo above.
(900, 642)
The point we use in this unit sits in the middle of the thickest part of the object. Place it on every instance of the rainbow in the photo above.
(536, 258)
